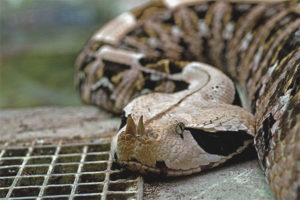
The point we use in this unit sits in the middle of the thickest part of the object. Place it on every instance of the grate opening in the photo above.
(15, 152)
(94, 167)
(97, 157)
(97, 148)
(71, 149)
(37, 161)
(61, 179)
(29, 181)
(6, 182)
(35, 170)
(89, 178)
(91, 188)
(68, 159)
(24, 192)
(3, 193)
(57, 190)
(11, 162)
(96, 197)
(64, 169)
(9, 171)
(43, 151)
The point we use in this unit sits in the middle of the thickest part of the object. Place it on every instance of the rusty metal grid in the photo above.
(64, 170)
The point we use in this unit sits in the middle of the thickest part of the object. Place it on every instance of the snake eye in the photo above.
(153, 135)
(179, 129)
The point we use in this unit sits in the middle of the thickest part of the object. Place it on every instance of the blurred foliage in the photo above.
(39, 41)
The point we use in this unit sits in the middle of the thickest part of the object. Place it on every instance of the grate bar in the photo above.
(19, 172)
(48, 156)
(70, 184)
(42, 175)
(72, 144)
(105, 187)
(49, 171)
(46, 165)
(78, 172)
(59, 196)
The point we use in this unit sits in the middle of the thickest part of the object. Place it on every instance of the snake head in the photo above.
(168, 147)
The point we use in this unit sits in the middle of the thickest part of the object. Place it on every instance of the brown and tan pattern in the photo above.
(151, 58)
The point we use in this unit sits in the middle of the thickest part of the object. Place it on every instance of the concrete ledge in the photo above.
(56, 122)
(239, 179)
(236, 181)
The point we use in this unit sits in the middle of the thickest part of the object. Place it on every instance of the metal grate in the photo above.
(64, 170)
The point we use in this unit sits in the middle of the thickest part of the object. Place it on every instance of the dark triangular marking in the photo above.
(221, 143)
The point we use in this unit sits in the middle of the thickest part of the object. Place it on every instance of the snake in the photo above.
(196, 82)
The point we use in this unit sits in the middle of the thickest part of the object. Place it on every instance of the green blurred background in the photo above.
(39, 41)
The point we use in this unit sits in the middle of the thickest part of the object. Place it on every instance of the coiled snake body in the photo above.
(178, 118)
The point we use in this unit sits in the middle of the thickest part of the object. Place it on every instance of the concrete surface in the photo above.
(240, 179)
(56, 122)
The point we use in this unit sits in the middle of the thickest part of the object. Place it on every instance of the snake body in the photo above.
(178, 116)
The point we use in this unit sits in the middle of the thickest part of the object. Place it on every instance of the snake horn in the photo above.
(140, 127)
(130, 126)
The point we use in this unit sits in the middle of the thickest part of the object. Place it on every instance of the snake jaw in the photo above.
(167, 168)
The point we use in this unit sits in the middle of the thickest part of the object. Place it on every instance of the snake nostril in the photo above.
(160, 164)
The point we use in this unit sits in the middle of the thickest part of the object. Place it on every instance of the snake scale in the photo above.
(180, 114)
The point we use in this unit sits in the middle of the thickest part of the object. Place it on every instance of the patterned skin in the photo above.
(150, 56)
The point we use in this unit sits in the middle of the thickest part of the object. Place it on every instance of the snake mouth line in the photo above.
(145, 169)
(134, 165)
